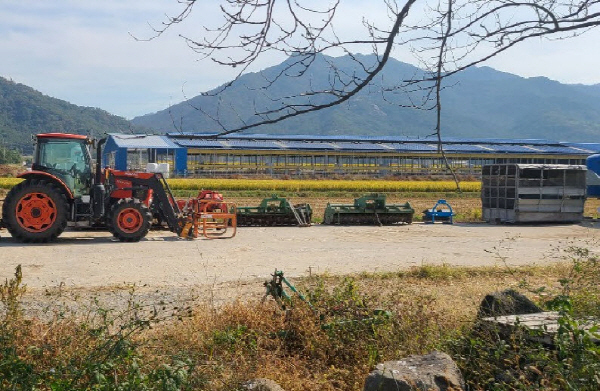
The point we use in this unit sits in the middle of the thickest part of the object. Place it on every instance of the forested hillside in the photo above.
(25, 111)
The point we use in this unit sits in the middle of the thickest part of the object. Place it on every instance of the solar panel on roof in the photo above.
(371, 143)
(142, 141)
(361, 146)
(369, 138)
(308, 138)
(190, 134)
(509, 148)
(464, 148)
(591, 147)
(248, 144)
(554, 149)
(308, 145)
(514, 141)
(413, 147)
(200, 143)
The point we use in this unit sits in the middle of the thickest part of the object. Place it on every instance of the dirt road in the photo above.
(91, 259)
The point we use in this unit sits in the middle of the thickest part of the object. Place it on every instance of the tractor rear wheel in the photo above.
(35, 211)
(129, 220)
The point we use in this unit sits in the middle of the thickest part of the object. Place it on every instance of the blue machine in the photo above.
(442, 212)
(593, 176)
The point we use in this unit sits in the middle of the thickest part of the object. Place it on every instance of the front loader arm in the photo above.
(163, 200)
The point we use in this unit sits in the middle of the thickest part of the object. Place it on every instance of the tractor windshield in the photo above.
(68, 159)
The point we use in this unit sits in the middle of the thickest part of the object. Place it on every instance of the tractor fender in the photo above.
(48, 177)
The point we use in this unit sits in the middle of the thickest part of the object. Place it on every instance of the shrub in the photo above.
(100, 353)
(489, 360)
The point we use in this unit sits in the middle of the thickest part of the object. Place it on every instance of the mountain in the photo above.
(479, 102)
(25, 111)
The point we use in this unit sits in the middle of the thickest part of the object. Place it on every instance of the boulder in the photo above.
(432, 372)
(262, 385)
(507, 302)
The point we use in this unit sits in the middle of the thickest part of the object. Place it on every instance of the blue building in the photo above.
(133, 152)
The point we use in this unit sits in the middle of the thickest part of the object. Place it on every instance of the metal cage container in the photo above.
(533, 193)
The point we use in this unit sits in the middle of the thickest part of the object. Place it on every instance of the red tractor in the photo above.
(62, 189)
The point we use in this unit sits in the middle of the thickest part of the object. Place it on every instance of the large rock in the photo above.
(432, 372)
(507, 302)
(262, 385)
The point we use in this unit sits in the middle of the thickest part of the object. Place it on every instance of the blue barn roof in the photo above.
(382, 144)
(142, 141)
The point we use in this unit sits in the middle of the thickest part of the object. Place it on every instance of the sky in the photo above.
(86, 53)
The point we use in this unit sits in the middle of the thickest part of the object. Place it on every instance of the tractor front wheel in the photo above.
(35, 211)
(129, 220)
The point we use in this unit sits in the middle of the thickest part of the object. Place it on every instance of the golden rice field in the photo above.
(322, 185)
(7, 183)
(305, 185)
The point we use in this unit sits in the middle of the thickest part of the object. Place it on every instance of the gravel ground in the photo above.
(164, 268)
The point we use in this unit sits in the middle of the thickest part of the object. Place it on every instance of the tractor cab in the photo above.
(67, 157)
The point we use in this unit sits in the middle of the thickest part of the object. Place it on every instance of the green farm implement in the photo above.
(274, 211)
(370, 209)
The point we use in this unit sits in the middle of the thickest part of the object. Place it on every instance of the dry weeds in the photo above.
(244, 340)
(330, 346)
(10, 170)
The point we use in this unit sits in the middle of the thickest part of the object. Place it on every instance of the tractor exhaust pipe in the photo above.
(99, 160)
(98, 191)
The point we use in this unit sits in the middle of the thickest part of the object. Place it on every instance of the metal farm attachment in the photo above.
(208, 215)
(274, 211)
(370, 209)
(275, 289)
(332, 319)
(441, 212)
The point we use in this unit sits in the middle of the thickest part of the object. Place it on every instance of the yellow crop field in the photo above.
(321, 185)
(305, 185)
(7, 183)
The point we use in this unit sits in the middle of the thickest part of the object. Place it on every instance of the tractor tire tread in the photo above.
(17, 192)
